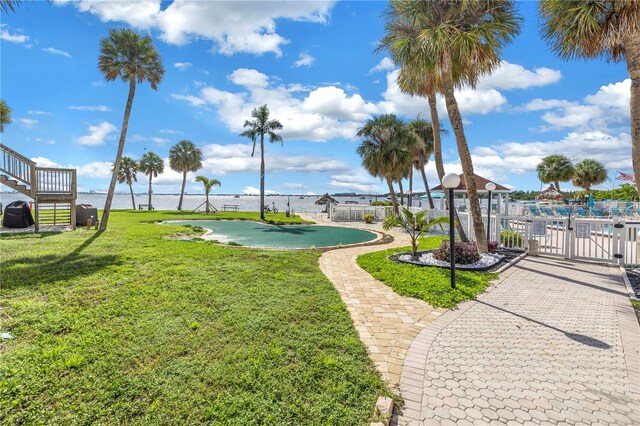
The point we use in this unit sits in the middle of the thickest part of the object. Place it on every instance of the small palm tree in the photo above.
(185, 157)
(258, 128)
(131, 57)
(208, 184)
(385, 150)
(600, 29)
(554, 169)
(414, 224)
(128, 173)
(588, 173)
(5, 115)
(152, 165)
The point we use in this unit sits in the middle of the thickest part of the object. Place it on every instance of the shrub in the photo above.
(368, 218)
(510, 238)
(381, 203)
(492, 246)
(465, 253)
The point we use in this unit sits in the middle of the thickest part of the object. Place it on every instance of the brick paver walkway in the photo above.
(554, 342)
(386, 322)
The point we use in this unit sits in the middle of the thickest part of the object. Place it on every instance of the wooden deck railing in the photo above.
(41, 180)
(16, 165)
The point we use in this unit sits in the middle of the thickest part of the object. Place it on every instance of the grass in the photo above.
(636, 307)
(129, 327)
(433, 285)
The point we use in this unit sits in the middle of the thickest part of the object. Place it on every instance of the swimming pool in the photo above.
(255, 234)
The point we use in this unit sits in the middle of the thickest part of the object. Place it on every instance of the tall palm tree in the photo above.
(462, 38)
(128, 173)
(152, 165)
(554, 169)
(588, 173)
(131, 57)
(385, 150)
(184, 157)
(600, 29)
(208, 184)
(422, 150)
(259, 127)
(5, 115)
(9, 5)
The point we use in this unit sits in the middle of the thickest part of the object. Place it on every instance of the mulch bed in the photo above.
(509, 255)
(633, 273)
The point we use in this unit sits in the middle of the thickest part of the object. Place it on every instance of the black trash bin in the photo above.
(17, 215)
(84, 212)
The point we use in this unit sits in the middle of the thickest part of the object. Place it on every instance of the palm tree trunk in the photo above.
(426, 186)
(557, 184)
(206, 209)
(150, 177)
(392, 194)
(184, 182)
(437, 155)
(116, 165)
(465, 160)
(410, 196)
(262, 176)
(632, 52)
(133, 200)
(401, 192)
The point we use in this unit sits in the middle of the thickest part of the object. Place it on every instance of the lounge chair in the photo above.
(563, 211)
(615, 212)
(548, 211)
(582, 212)
(598, 212)
(535, 212)
(630, 212)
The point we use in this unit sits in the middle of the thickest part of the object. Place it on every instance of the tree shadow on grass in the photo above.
(33, 271)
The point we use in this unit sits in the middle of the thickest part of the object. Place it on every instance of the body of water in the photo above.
(170, 201)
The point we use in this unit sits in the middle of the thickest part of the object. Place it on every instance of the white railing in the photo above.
(355, 212)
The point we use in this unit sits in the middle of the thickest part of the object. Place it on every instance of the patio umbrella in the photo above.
(590, 201)
(551, 193)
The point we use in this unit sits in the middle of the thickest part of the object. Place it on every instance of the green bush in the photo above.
(368, 218)
(381, 203)
(511, 238)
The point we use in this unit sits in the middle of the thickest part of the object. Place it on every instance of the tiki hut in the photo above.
(551, 193)
(326, 199)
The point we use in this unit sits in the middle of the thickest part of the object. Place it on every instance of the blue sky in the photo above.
(314, 64)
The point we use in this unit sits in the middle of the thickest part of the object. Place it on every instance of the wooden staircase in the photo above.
(54, 190)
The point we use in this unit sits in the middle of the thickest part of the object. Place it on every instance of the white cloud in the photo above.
(183, 66)
(140, 138)
(252, 190)
(249, 78)
(170, 132)
(538, 104)
(27, 122)
(193, 100)
(513, 76)
(13, 38)
(98, 134)
(57, 51)
(101, 108)
(385, 64)
(96, 169)
(36, 112)
(614, 95)
(356, 181)
(235, 158)
(304, 60)
(248, 27)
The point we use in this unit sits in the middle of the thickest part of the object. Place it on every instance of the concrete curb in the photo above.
(383, 411)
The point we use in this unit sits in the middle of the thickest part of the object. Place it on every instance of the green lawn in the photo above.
(128, 327)
(433, 285)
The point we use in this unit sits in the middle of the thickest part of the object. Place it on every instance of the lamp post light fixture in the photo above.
(450, 181)
(490, 186)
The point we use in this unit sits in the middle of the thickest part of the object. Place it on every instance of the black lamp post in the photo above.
(450, 182)
(490, 186)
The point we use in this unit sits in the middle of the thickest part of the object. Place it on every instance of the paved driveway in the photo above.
(554, 342)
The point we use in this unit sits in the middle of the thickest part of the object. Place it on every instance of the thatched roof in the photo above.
(551, 193)
(481, 182)
(326, 199)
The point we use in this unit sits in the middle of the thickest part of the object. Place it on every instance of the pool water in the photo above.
(256, 234)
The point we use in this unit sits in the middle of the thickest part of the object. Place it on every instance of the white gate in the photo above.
(602, 240)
